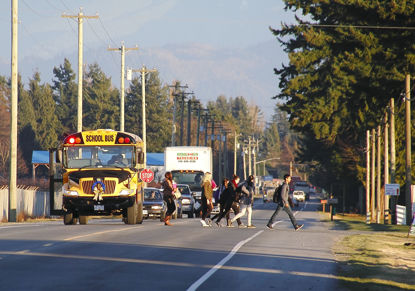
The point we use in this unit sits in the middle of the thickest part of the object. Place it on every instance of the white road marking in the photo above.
(219, 265)
(17, 226)
(235, 249)
(96, 233)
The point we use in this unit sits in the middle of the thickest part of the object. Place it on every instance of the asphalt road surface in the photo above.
(109, 255)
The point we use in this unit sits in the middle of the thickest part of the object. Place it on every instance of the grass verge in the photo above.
(374, 260)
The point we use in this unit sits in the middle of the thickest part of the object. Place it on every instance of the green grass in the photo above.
(358, 223)
(374, 260)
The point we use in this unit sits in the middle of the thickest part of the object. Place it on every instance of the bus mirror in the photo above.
(59, 156)
(141, 158)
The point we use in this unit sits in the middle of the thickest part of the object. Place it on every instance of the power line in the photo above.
(33, 10)
(357, 26)
(106, 31)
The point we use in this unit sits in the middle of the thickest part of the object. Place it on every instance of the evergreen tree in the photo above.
(339, 79)
(65, 95)
(47, 124)
(158, 112)
(101, 101)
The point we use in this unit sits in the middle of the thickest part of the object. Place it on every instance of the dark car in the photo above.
(153, 205)
(187, 200)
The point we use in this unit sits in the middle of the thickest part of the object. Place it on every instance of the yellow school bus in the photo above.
(101, 175)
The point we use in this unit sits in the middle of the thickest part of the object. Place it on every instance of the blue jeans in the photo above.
(286, 209)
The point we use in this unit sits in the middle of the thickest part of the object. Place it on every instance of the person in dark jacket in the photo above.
(246, 200)
(168, 196)
(284, 205)
(222, 197)
(230, 198)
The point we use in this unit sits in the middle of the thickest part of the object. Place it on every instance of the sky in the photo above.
(216, 47)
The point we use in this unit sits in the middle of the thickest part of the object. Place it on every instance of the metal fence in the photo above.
(31, 202)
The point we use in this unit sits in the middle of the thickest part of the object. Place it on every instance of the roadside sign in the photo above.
(147, 175)
(333, 201)
(392, 189)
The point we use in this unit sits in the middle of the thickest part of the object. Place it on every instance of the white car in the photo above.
(299, 195)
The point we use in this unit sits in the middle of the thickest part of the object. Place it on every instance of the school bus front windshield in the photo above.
(99, 157)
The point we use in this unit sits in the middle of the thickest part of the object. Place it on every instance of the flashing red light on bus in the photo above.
(127, 140)
(72, 140)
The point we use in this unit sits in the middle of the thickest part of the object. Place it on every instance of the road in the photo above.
(109, 255)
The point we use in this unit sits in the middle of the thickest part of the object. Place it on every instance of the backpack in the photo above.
(277, 194)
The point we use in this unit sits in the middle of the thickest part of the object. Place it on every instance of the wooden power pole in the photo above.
(408, 138)
(80, 17)
(368, 215)
(12, 213)
(122, 49)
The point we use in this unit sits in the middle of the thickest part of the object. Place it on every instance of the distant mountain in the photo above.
(209, 71)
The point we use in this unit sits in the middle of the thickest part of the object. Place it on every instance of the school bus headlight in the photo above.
(126, 191)
(70, 192)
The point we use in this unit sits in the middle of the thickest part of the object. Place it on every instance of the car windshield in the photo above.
(150, 194)
(99, 156)
(184, 189)
(190, 178)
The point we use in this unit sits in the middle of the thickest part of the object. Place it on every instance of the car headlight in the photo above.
(127, 191)
(186, 201)
(156, 207)
(70, 192)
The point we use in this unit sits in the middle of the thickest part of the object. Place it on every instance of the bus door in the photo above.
(55, 183)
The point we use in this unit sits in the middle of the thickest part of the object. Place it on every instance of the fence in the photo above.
(30, 202)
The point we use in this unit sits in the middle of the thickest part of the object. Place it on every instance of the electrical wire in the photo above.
(101, 39)
(357, 26)
(106, 31)
(33, 10)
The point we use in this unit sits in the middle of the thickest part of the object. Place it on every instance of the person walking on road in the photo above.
(246, 199)
(282, 203)
(207, 195)
(222, 198)
(168, 196)
(230, 198)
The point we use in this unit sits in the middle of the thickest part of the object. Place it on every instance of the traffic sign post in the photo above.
(392, 189)
(147, 175)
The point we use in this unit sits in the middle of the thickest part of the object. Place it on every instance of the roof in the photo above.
(153, 159)
(40, 157)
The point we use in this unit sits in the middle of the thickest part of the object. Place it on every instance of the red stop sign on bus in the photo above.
(147, 175)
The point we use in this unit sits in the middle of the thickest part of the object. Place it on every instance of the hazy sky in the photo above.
(216, 46)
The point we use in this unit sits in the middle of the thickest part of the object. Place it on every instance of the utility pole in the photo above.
(143, 72)
(122, 49)
(235, 152)
(408, 137)
(378, 177)
(386, 169)
(182, 119)
(249, 156)
(212, 136)
(291, 169)
(189, 120)
(226, 166)
(393, 157)
(372, 184)
(220, 158)
(198, 126)
(80, 17)
(244, 161)
(173, 97)
(12, 213)
(368, 177)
